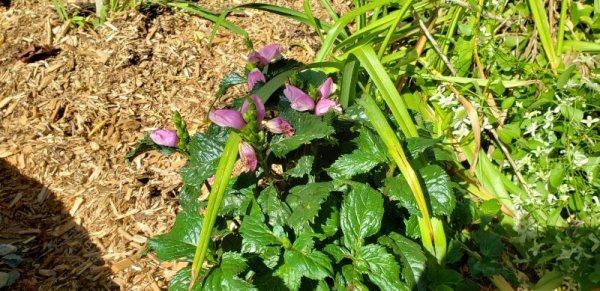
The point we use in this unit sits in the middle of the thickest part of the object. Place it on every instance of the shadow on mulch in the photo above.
(57, 253)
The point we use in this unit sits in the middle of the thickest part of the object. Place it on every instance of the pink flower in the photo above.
(254, 77)
(326, 88)
(211, 180)
(265, 55)
(260, 108)
(300, 100)
(279, 125)
(324, 105)
(227, 118)
(248, 156)
(165, 137)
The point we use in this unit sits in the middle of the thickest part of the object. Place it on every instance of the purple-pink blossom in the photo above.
(260, 108)
(248, 156)
(165, 137)
(279, 125)
(254, 77)
(299, 99)
(265, 55)
(324, 105)
(227, 118)
(326, 88)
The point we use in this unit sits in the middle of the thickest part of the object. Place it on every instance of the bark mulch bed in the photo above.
(73, 102)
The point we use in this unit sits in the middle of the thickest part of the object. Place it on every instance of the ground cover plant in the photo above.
(430, 145)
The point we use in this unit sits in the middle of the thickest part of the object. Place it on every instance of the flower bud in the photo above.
(279, 125)
(254, 77)
(326, 88)
(248, 156)
(164, 137)
(265, 55)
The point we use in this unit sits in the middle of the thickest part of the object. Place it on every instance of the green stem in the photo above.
(561, 27)
(385, 42)
(222, 177)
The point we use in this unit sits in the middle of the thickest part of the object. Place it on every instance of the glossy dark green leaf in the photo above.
(229, 81)
(362, 211)
(305, 202)
(381, 267)
(277, 211)
(417, 145)
(232, 264)
(303, 167)
(256, 234)
(411, 255)
(490, 244)
(439, 189)
(182, 279)
(302, 261)
(181, 241)
(217, 281)
(369, 153)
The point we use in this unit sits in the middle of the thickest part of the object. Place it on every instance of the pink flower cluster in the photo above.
(303, 102)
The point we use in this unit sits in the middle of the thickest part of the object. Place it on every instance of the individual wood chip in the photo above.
(47, 273)
(64, 228)
(36, 53)
(121, 265)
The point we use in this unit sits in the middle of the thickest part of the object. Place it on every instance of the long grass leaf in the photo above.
(543, 27)
(581, 46)
(311, 19)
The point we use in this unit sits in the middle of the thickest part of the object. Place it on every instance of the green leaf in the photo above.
(256, 234)
(490, 244)
(205, 150)
(370, 152)
(229, 81)
(362, 211)
(398, 190)
(301, 261)
(308, 128)
(380, 266)
(337, 252)
(303, 167)
(232, 264)
(146, 145)
(305, 202)
(464, 55)
(550, 281)
(277, 211)
(418, 145)
(438, 187)
(182, 279)
(181, 241)
(411, 255)
(217, 281)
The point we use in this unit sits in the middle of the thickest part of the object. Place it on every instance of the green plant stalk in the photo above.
(582, 46)
(449, 34)
(433, 236)
(222, 177)
(367, 57)
(561, 27)
(388, 36)
(311, 19)
(541, 23)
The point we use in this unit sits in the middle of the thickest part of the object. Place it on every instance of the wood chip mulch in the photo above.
(73, 102)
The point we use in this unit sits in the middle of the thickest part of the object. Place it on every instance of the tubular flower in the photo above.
(279, 125)
(326, 88)
(300, 100)
(227, 118)
(165, 137)
(248, 156)
(254, 77)
(324, 105)
(265, 55)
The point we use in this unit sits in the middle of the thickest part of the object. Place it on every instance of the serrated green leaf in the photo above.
(182, 279)
(305, 202)
(369, 153)
(417, 145)
(232, 264)
(337, 252)
(277, 211)
(256, 234)
(205, 150)
(181, 241)
(303, 167)
(398, 190)
(411, 255)
(439, 190)
(301, 261)
(146, 145)
(217, 281)
(362, 211)
(352, 280)
(308, 128)
(464, 55)
(229, 81)
(381, 267)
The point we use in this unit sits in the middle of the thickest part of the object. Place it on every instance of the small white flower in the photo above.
(579, 159)
(535, 249)
(589, 121)
(595, 240)
(447, 101)
(486, 124)
(564, 188)
(571, 84)
(551, 198)
(519, 104)
(531, 128)
(566, 253)
(461, 132)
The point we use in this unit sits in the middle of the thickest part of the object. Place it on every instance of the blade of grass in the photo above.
(222, 177)
(388, 36)
(349, 79)
(330, 10)
(367, 57)
(479, 82)
(541, 23)
(311, 19)
(581, 46)
(561, 27)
